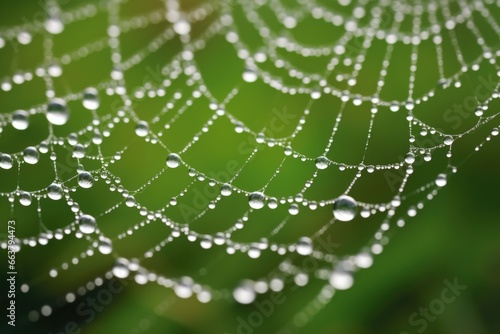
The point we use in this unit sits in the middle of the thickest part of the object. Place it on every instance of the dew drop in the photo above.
(30, 155)
(87, 224)
(410, 158)
(304, 246)
(321, 162)
(345, 208)
(244, 294)
(5, 161)
(184, 288)
(256, 200)
(341, 280)
(182, 27)
(249, 75)
(448, 140)
(105, 246)
(173, 160)
(25, 198)
(254, 251)
(142, 129)
(54, 192)
(85, 180)
(293, 209)
(54, 25)
(226, 189)
(441, 180)
(20, 120)
(57, 112)
(130, 201)
(121, 269)
(91, 98)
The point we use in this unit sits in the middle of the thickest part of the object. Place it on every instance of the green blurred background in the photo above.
(456, 235)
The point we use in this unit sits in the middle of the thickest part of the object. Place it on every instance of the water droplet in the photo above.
(226, 189)
(345, 208)
(448, 140)
(410, 158)
(87, 224)
(30, 155)
(130, 201)
(91, 98)
(256, 200)
(239, 127)
(254, 251)
(20, 120)
(315, 94)
(182, 27)
(121, 269)
(341, 280)
(249, 75)
(304, 246)
(206, 242)
(25, 199)
(142, 129)
(173, 160)
(105, 245)
(85, 180)
(441, 180)
(321, 162)
(55, 192)
(184, 288)
(244, 294)
(293, 209)
(272, 203)
(479, 111)
(57, 112)
(5, 161)
(364, 260)
(54, 25)
(78, 151)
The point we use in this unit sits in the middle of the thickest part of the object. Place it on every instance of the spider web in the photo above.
(234, 132)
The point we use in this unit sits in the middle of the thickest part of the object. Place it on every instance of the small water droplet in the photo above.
(85, 180)
(105, 245)
(410, 158)
(441, 180)
(341, 280)
(244, 294)
(256, 200)
(321, 162)
(249, 75)
(173, 160)
(57, 112)
(226, 189)
(121, 269)
(55, 192)
(448, 140)
(25, 198)
(345, 208)
(6, 161)
(142, 129)
(304, 246)
(182, 27)
(54, 25)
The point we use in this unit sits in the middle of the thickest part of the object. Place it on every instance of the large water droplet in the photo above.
(244, 294)
(226, 189)
(173, 160)
(256, 200)
(91, 98)
(341, 280)
(5, 161)
(142, 129)
(441, 180)
(57, 112)
(25, 198)
(54, 25)
(87, 224)
(448, 140)
(345, 208)
(30, 155)
(85, 180)
(55, 192)
(105, 246)
(249, 75)
(121, 269)
(20, 120)
(321, 162)
(304, 246)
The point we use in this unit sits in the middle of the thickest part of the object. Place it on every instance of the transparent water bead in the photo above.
(184, 288)
(55, 192)
(54, 25)
(244, 294)
(441, 180)
(57, 112)
(6, 161)
(304, 246)
(182, 27)
(25, 198)
(91, 98)
(142, 129)
(20, 120)
(448, 140)
(249, 75)
(105, 246)
(87, 224)
(121, 269)
(30, 155)
(345, 208)
(321, 162)
(173, 160)
(256, 200)
(341, 280)
(226, 189)
(85, 180)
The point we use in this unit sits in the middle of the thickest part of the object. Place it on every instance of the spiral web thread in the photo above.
(362, 26)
